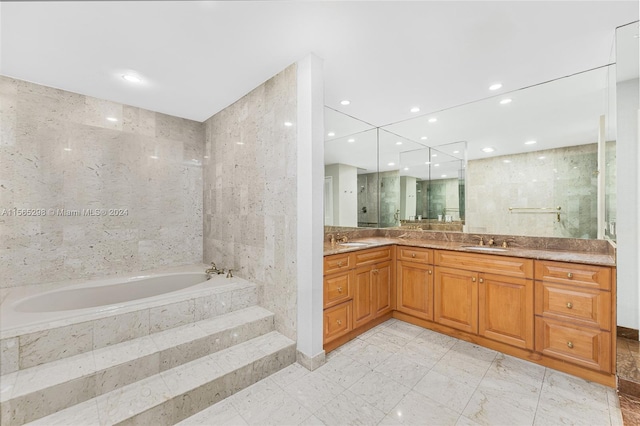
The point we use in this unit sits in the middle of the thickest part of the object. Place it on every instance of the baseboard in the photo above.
(310, 363)
(627, 333)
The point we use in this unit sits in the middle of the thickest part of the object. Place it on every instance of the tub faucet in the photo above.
(214, 270)
(229, 274)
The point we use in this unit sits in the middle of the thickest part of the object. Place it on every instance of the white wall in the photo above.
(627, 164)
(407, 197)
(345, 194)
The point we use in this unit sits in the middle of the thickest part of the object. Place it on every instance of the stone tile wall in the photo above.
(59, 155)
(250, 184)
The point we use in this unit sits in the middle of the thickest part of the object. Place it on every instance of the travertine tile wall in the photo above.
(250, 193)
(59, 151)
(559, 177)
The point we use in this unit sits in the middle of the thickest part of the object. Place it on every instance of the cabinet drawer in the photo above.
(414, 254)
(337, 321)
(338, 262)
(493, 264)
(574, 274)
(583, 305)
(583, 346)
(338, 288)
(371, 256)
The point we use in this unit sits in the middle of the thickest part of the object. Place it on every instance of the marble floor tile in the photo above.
(349, 409)
(220, 414)
(574, 388)
(403, 329)
(312, 421)
(417, 409)
(314, 391)
(389, 341)
(403, 369)
(513, 369)
(463, 370)
(289, 374)
(254, 394)
(445, 390)
(343, 370)
(278, 409)
(379, 390)
(368, 354)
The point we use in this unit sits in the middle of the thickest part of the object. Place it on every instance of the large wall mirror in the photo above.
(539, 161)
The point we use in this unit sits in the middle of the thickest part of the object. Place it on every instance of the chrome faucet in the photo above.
(213, 270)
(491, 242)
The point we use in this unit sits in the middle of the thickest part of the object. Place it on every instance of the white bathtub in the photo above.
(100, 298)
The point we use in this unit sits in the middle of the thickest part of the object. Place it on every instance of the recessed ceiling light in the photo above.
(415, 109)
(345, 102)
(406, 168)
(131, 78)
(530, 142)
(506, 161)
(488, 149)
(505, 101)
(391, 164)
(456, 152)
(433, 120)
(206, 156)
(436, 165)
(398, 143)
(434, 155)
(67, 149)
(288, 123)
(331, 134)
(112, 119)
(541, 158)
(239, 143)
(495, 86)
(443, 176)
(351, 140)
(428, 162)
(424, 138)
(155, 157)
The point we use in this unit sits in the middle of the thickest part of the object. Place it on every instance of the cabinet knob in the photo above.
(481, 280)
(339, 322)
(570, 345)
(413, 255)
(569, 305)
(473, 279)
(430, 272)
(340, 264)
(339, 289)
(569, 275)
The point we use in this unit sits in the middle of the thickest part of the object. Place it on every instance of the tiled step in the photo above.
(35, 392)
(175, 394)
(35, 346)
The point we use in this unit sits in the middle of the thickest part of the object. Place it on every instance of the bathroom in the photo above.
(187, 177)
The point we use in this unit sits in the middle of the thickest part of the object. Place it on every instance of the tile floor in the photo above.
(398, 373)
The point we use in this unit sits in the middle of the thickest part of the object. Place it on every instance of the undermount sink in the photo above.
(353, 244)
(484, 248)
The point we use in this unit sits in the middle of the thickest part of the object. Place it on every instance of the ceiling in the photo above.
(196, 58)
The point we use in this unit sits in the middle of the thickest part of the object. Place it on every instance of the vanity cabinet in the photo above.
(414, 282)
(491, 296)
(574, 317)
(373, 292)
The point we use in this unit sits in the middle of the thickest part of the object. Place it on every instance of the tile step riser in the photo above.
(189, 403)
(93, 385)
(90, 335)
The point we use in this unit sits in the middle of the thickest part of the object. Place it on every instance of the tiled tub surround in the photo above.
(159, 361)
(58, 150)
(73, 332)
(250, 193)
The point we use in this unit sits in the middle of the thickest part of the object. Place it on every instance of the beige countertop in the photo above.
(538, 254)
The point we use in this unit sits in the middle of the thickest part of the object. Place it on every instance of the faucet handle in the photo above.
(229, 274)
(481, 241)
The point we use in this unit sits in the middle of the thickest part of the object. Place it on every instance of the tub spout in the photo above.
(214, 270)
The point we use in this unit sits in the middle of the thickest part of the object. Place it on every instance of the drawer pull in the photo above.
(430, 272)
(339, 289)
(569, 275)
(339, 322)
(481, 280)
(569, 305)
(570, 345)
(413, 255)
(340, 264)
(473, 279)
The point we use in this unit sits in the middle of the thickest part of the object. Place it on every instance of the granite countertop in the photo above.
(538, 254)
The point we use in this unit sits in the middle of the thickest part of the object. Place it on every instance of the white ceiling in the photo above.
(198, 57)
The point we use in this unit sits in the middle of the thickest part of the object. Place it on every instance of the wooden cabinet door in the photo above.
(382, 288)
(362, 297)
(337, 321)
(505, 308)
(455, 298)
(415, 289)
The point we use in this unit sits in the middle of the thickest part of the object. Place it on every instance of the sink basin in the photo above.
(484, 248)
(353, 244)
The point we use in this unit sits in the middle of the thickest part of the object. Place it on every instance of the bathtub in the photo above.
(100, 298)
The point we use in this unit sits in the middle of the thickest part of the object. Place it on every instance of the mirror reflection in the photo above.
(539, 161)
